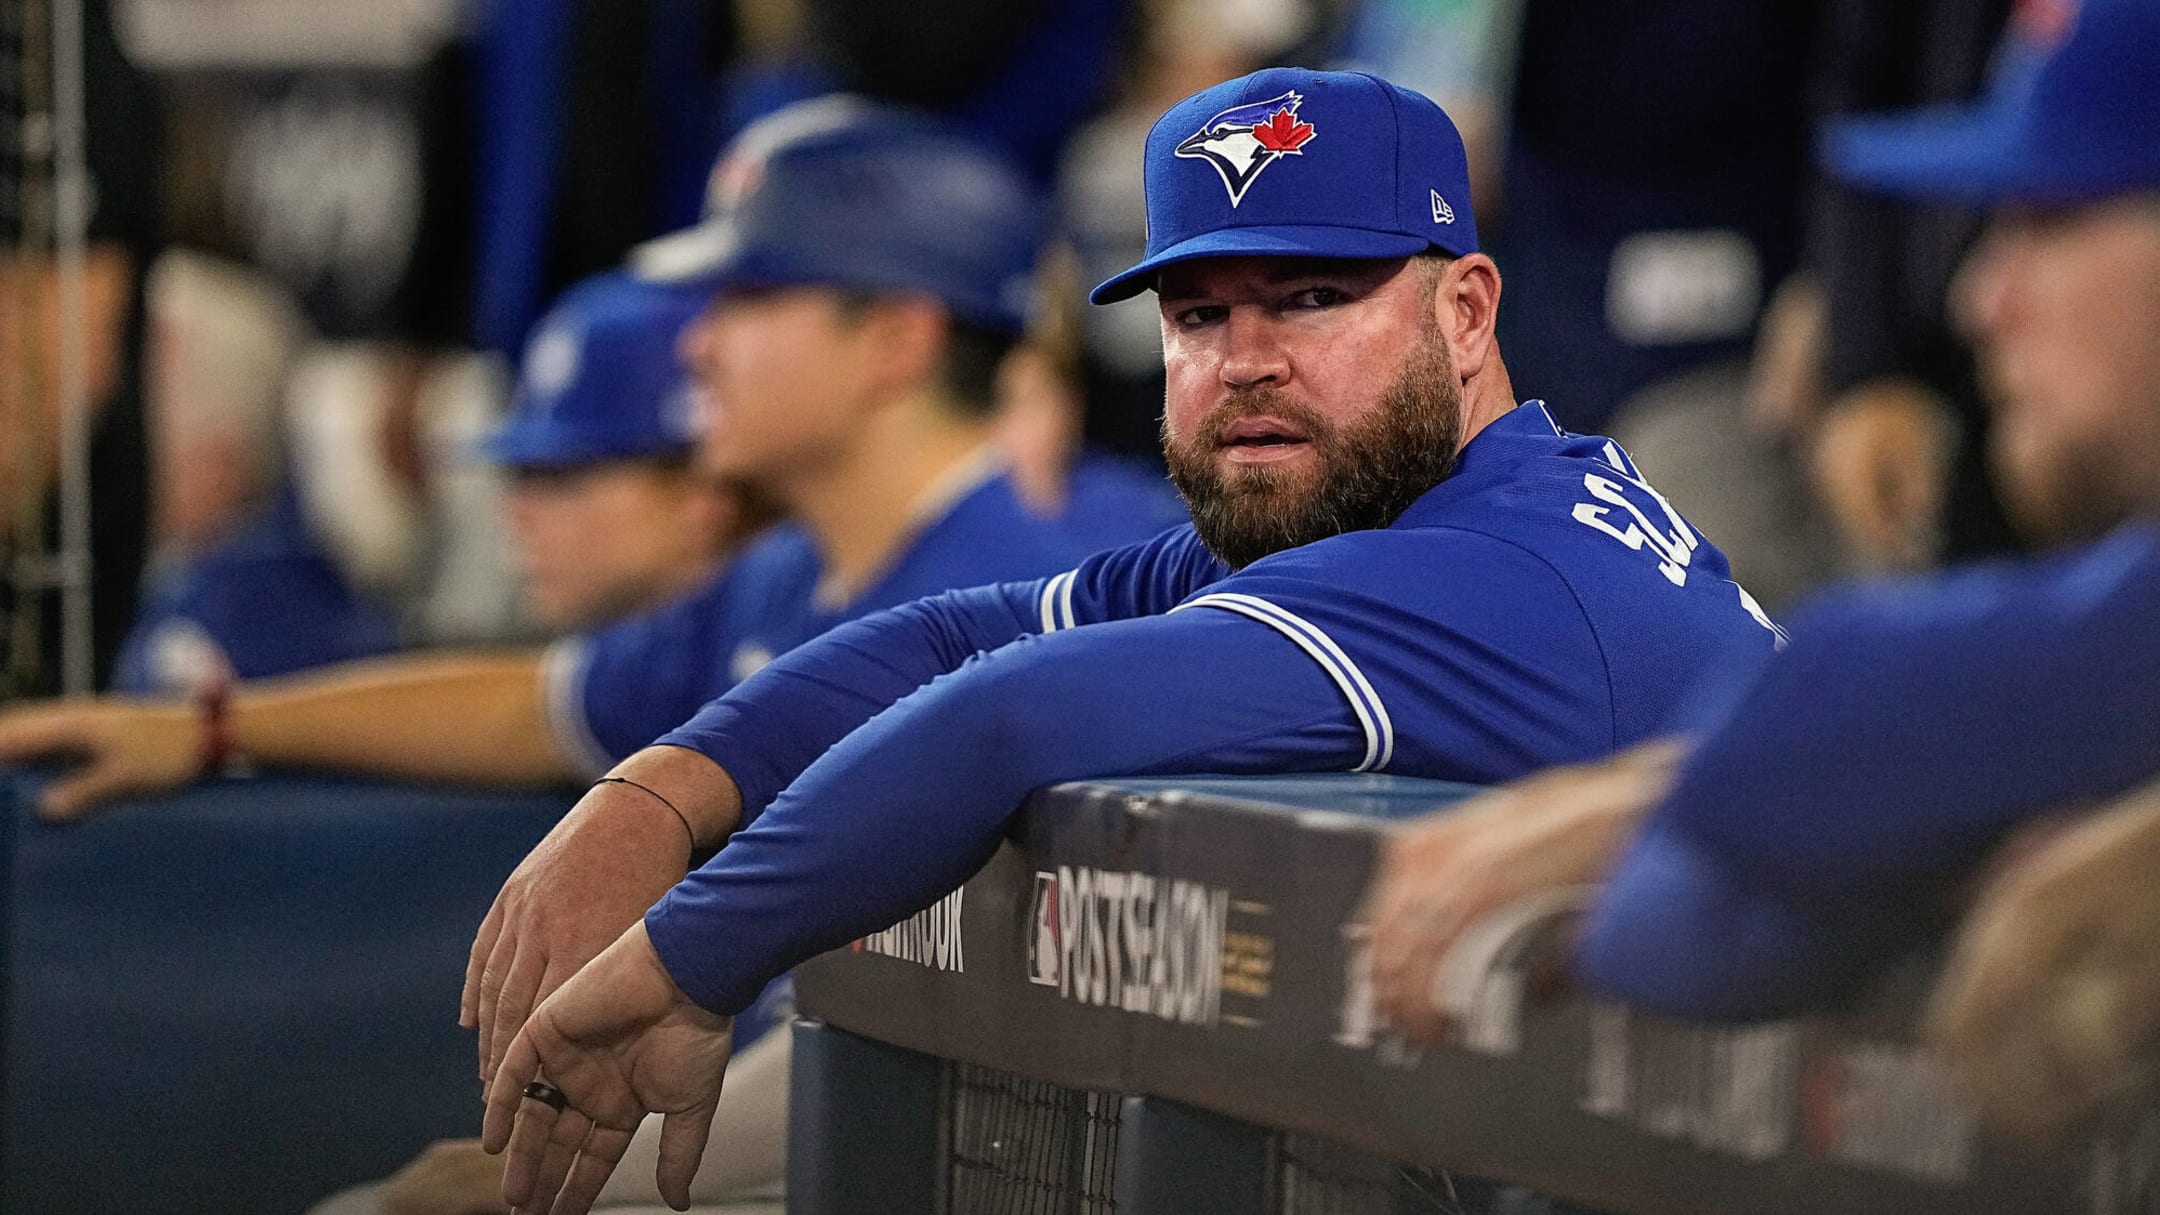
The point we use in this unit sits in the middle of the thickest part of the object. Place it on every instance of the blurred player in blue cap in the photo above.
(607, 513)
(1393, 565)
(609, 509)
(610, 516)
(1837, 793)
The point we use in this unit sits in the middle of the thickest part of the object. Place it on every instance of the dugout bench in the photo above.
(1151, 1002)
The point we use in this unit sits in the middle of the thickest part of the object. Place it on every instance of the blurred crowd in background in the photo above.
(323, 234)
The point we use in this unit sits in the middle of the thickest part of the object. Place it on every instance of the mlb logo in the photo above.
(1046, 944)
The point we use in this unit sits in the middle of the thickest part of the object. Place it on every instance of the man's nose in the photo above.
(1983, 295)
(694, 344)
(520, 508)
(1253, 352)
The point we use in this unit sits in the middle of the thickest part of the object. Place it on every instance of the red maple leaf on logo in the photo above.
(1283, 133)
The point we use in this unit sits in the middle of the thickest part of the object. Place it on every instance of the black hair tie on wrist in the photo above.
(680, 817)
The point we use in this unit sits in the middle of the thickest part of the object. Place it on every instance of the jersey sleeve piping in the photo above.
(1365, 702)
(1057, 608)
(562, 691)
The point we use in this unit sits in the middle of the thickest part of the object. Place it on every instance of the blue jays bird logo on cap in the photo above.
(1245, 139)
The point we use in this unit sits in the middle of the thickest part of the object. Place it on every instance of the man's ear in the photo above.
(905, 338)
(1466, 305)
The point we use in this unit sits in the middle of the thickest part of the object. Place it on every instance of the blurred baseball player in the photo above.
(610, 511)
(1393, 566)
(1837, 792)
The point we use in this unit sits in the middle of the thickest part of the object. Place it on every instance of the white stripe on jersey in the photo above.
(562, 690)
(1057, 609)
(1364, 701)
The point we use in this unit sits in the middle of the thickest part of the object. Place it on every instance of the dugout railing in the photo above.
(1151, 1002)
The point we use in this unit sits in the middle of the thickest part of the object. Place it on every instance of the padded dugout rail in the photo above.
(1194, 941)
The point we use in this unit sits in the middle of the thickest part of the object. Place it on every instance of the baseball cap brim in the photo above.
(1284, 241)
(713, 257)
(1681, 932)
(698, 257)
(1978, 153)
(1963, 154)
(525, 446)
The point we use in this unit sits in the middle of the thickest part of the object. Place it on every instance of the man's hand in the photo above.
(1441, 874)
(123, 746)
(1882, 468)
(452, 1177)
(620, 1040)
(602, 867)
(2048, 1012)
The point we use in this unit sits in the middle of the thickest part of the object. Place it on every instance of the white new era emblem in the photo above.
(1441, 212)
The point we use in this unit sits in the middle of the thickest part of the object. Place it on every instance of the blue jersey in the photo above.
(616, 690)
(1541, 605)
(263, 602)
(1838, 788)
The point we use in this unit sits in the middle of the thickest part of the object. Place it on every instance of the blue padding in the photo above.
(863, 1122)
(1365, 794)
(241, 997)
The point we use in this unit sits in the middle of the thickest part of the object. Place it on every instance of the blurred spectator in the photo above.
(123, 130)
(239, 587)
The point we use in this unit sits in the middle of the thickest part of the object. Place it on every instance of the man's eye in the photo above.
(1203, 314)
(1316, 297)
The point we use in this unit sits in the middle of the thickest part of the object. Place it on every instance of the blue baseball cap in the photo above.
(844, 192)
(2072, 115)
(599, 380)
(1290, 162)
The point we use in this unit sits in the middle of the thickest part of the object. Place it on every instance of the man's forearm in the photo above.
(472, 717)
(911, 804)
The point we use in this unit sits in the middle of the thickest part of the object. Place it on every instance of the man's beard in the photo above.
(1365, 475)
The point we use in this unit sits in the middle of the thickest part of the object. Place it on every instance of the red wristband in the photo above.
(214, 701)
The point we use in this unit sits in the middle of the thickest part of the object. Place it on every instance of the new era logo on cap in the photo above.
(1245, 139)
